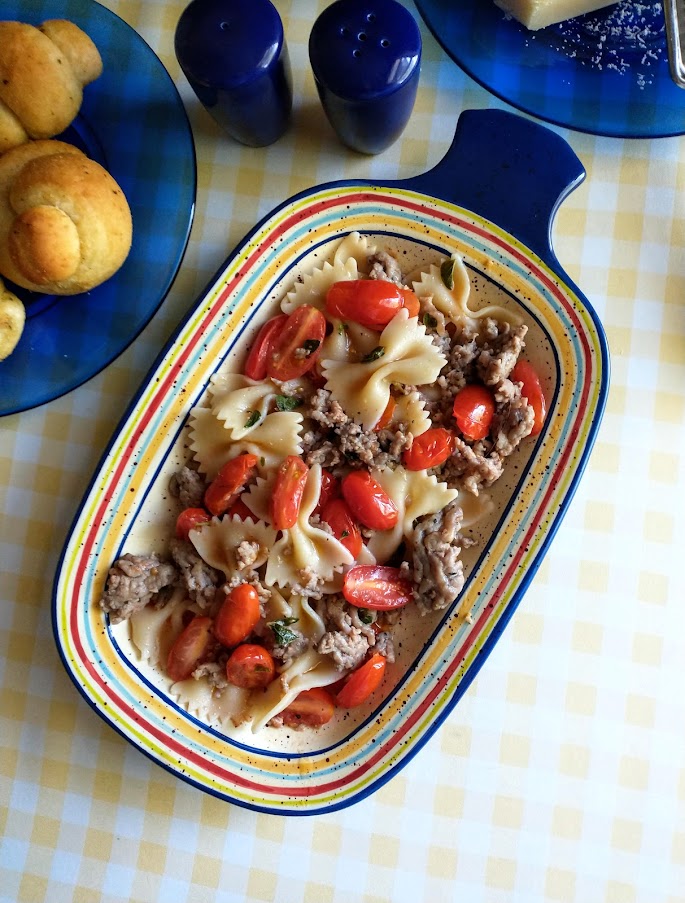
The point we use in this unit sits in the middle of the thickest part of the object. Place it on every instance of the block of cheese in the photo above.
(535, 14)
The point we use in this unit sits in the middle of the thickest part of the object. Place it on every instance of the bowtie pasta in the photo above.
(331, 483)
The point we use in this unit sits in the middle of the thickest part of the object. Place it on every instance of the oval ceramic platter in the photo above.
(495, 212)
(132, 121)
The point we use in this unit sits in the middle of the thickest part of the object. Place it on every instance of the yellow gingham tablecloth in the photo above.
(561, 774)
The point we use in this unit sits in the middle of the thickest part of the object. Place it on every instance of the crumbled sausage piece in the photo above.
(500, 353)
(385, 646)
(383, 266)
(468, 468)
(435, 548)
(200, 580)
(347, 650)
(348, 639)
(132, 582)
(188, 487)
(513, 420)
(214, 672)
(344, 442)
(246, 554)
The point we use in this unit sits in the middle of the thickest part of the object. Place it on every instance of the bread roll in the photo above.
(12, 319)
(65, 225)
(42, 75)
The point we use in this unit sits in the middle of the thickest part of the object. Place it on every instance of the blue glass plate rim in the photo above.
(644, 103)
(69, 340)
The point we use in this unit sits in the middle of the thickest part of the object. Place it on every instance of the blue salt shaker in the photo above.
(366, 60)
(235, 57)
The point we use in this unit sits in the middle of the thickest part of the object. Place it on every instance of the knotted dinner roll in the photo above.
(12, 319)
(42, 75)
(65, 225)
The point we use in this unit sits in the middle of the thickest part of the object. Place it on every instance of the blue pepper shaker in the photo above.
(235, 57)
(366, 60)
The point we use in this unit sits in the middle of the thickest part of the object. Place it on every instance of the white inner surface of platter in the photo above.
(155, 522)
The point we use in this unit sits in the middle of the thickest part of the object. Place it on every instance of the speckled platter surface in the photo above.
(309, 772)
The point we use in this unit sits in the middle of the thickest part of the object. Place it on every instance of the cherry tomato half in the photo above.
(377, 586)
(298, 346)
(339, 518)
(525, 373)
(188, 519)
(287, 492)
(188, 648)
(329, 490)
(229, 483)
(371, 302)
(310, 708)
(362, 682)
(430, 449)
(238, 616)
(250, 666)
(263, 345)
(369, 502)
(474, 408)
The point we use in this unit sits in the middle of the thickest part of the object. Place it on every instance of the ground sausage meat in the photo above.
(436, 545)
(504, 343)
(348, 638)
(133, 581)
(339, 442)
(384, 266)
(188, 486)
(199, 579)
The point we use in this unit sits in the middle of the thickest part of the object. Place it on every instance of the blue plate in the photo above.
(606, 73)
(133, 123)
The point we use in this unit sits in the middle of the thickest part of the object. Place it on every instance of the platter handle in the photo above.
(508, 169)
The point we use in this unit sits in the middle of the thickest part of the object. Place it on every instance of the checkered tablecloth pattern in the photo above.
(561, 774)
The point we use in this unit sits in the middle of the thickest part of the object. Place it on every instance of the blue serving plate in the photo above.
(133, 123)
(606, 73)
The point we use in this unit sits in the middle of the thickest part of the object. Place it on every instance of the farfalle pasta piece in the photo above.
(217, 542)
(305, 546)
(453, 303)
(214, 706)
(276, 437)
(153, 629)
(357, 246)
(235, 398)
(348, 342)
(258, 496)
(405, 355)
(349, 262)
(415, 494)
(309, 670)
(411, 410)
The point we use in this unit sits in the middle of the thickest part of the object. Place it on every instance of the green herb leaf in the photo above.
(366, 616)
(281, 630)
(253, 417)
(310, 346)
(447, 268)
(344, 534)
(377, 352)
(287, 402)
(342, 328)
(429, 321)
